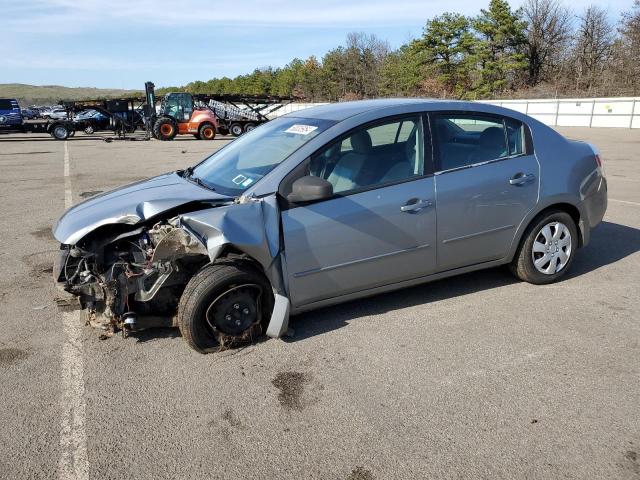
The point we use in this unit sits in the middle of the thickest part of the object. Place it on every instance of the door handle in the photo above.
(521, 179)
(415, 205)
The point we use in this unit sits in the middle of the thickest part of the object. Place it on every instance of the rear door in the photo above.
(487, 180)
(380, 226)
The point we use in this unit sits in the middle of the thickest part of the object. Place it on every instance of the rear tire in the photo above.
(249, 126)
(547, 248)
(206, 131)
(89, 130)
(236, 129)
(209, 315)
(165, 129)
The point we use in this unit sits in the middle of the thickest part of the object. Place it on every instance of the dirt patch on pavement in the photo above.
(9, 356)
(24, 153)
(291, 386)
(41, 270)
(230, 425)
(231, 418)
(43, 233)
(39, 267)
(360, 473)
(90, 193)
(631, 457)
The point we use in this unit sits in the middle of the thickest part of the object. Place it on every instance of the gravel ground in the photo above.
(477, 376)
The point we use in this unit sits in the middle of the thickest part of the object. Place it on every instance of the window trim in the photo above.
(528, 143)
(299, 170)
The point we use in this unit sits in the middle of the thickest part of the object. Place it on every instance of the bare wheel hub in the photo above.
(236, 310)
(552, 248)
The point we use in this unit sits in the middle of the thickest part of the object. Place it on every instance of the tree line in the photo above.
(542, 49)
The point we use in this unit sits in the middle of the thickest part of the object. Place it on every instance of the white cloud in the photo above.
(70, 16)
(66, 16)
(111, 39)
(101, 61)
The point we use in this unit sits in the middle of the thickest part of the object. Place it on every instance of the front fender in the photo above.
(252, 227)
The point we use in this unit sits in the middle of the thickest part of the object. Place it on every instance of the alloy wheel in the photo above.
(552, 248)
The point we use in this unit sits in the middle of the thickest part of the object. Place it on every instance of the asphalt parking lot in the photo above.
(478, 376)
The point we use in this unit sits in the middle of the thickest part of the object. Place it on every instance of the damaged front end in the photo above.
(119, 278)
(127, 256)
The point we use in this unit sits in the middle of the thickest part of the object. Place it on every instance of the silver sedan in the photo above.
(330, 204)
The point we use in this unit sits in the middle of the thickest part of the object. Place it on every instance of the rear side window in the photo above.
(516, 137)
(467, 139)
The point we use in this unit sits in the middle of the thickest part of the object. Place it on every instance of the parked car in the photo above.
(29, 114)
(10, 114)
(132, 119)
(55, 114)
(84, 114)
(92, 120)
(330, 204)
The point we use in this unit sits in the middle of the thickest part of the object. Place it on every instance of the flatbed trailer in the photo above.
(121, 112)
(58, 129)
(204, 114)
(238, 114)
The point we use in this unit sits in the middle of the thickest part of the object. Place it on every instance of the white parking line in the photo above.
(624, 201)
(74, 463)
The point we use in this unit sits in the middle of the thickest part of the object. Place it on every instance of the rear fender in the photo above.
(540, 207)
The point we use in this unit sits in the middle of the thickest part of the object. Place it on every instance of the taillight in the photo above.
(598, 160)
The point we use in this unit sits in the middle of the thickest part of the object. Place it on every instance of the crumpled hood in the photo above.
(130, 204)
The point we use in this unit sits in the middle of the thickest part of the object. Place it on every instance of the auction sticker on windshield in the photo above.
(301, 129)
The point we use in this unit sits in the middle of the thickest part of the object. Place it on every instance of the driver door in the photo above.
(380, 226)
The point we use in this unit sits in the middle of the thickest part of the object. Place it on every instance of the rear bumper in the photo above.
(594, 203)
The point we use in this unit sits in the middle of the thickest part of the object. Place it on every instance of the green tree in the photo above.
(403, 71)
(499, 50)
(310, 81)
(448, 45)
(287, 79)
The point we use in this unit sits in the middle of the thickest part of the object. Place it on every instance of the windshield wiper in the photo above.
(188, 174)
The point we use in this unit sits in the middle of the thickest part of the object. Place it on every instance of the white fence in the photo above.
(623, 112)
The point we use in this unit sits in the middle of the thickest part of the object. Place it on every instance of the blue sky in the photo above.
(123, 43)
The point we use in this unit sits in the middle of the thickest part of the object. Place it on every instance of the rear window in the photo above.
(7, 105)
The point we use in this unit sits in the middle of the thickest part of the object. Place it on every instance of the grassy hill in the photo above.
(47, 94)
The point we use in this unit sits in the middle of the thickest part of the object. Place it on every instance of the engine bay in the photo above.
(124, 276)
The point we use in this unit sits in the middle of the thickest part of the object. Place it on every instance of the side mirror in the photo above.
(310, 189)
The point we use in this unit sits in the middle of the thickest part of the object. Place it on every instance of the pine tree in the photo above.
(499, 50)
(448, 44)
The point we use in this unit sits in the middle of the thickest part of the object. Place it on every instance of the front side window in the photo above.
(465, 139)
(372, 155)
(250, 157)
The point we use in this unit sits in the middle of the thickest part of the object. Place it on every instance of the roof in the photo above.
(342, 110)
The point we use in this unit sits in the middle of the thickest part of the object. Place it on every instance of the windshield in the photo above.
(6, 105)
(247, 159)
